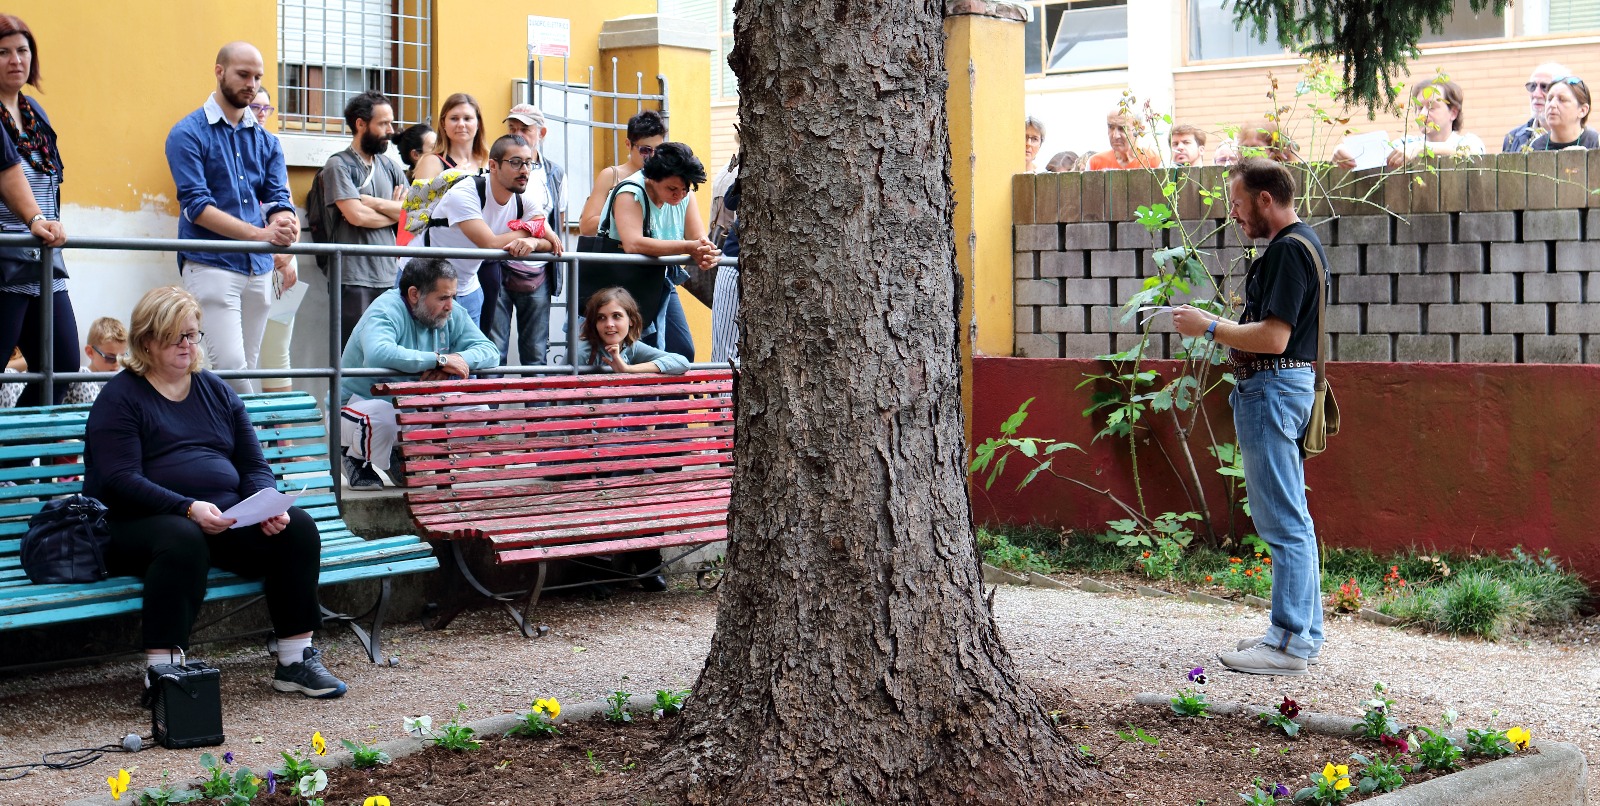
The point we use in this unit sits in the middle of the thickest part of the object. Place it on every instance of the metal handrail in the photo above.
(334, 372)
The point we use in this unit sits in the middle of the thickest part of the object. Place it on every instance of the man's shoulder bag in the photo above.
(66, 542)
(1324, 408)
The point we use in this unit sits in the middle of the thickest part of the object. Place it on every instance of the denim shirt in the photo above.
(236, 169)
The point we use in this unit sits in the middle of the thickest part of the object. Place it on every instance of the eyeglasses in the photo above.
(192, 337)
(263, 110)
(1536, 86)
(519, 165)
(646, 151)
(102, 353)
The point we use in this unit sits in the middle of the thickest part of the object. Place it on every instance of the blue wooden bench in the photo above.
(292, 433)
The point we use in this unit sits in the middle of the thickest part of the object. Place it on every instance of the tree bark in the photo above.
(855, 659)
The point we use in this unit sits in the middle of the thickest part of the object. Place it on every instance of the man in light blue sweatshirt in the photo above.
(417, 331)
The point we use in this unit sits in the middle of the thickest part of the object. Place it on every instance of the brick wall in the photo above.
(1497, 263)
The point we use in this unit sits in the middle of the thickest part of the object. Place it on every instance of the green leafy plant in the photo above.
(540, 720)
(454, 735)
(1332, 785)
(295, 766)
(1376, 722)
(1478, 604)
(617, 704)
(1000, 552)
(1488, 743)
(1381, 773)
(1134, 733)
(1437, 751)
(1190, 702)
(165, 794)
(596, 766)
(1250, 576)
(363, 756)
(235, 787)
(669, 702)
(1283, 718)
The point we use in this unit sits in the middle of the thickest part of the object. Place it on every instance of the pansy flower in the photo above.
(1339, 776)
(1289, 708)
(1519, 736)
(319, 745)
(1395, 743)
(1197, 675)
(119, 783)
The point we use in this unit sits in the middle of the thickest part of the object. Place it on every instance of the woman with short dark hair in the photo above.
(667, 183)
(646, 130)
(169, 447)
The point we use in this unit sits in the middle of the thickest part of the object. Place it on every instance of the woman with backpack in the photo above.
(646, 131)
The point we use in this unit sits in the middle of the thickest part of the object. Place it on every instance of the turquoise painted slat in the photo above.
(36, 451)
(306, 432)
(39, 490)
(46, 472)
(278, 452)
(10, 621)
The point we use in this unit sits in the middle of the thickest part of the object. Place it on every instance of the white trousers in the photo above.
(369, 429)
(233, 314)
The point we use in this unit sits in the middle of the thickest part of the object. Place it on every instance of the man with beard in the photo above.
(1273, 347)
(366, 187)
(418, 332)
(232, 185)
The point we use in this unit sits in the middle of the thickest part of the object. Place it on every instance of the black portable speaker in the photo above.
(186, 705)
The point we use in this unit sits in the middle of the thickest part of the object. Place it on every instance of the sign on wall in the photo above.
(549, 36)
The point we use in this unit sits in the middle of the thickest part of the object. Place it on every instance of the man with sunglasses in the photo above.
(1538, 85)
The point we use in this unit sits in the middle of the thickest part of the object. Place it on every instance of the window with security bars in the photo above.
(332, 50)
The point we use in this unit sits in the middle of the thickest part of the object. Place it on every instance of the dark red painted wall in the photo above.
(1458, 457)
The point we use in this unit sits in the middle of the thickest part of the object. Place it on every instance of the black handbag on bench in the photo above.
(66, 542)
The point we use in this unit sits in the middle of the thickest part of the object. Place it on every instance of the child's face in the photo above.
(103, 356)
(1185, 151)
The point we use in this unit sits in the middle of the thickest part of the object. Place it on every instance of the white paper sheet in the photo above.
(1370, 150)
(261, 506)
(1154, 310)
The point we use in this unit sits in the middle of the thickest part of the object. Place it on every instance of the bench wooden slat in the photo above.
(428, 388)
(540, 471)
(664, 444)
(535, 427)
(579, 534)
(564, 502)
(610, 407)
(558, 396)
(618, 518)
(542, 553)
(527, 518)
(427, 501)
(513, 445)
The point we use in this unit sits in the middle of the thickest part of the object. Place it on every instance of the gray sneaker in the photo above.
(1246, 643)
(308, 677)
(360, 475)
(1263, 659)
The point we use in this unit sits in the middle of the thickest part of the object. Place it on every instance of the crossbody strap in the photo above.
(1322, 308)
(607, 221)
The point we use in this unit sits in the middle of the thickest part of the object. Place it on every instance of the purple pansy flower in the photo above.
(272, 782)
(1197, 675)
(1280, 791)
(227, 758)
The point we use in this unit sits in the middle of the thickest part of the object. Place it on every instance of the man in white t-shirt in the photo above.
(480, 211)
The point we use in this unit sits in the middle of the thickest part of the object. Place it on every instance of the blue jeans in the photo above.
(533, 324)
(1270, 412)
(670, 330)
(473, 303)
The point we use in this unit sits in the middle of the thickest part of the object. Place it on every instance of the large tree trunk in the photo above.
(855, 659)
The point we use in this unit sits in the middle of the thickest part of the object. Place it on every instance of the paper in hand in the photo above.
(1154, 311)
(268, 503)
(1370, 150)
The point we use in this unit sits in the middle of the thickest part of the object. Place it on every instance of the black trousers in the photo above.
(174, 556)
(19, 327)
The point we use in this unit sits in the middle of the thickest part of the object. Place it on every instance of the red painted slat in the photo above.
(581, 455)
(502, 443)
(535, 427)
(541, 471)
(546, 381)
(541, 553)
(535, 527)
(419, 500)
(575, 412)
(572, 502)
(711, 389)
(583, 533)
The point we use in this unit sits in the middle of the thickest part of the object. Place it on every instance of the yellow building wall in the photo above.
(1491, 78)
(116, 80)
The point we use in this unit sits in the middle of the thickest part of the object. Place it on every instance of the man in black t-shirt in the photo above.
(1274, 347)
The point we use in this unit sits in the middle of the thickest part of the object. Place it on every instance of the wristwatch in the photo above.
(443, 361)
(37, 217)
(1211, 332)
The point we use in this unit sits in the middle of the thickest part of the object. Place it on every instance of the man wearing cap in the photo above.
(526, 288)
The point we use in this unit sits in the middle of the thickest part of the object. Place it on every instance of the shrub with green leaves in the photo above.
(1479, 604)
(1000, 552)
(617, 705)
(1381, 773)
(363, 756)
(669, 702)
(1488, 743)
(1190, 702)
(1437, 751)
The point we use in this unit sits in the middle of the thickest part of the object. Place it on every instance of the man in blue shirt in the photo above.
(232, 185)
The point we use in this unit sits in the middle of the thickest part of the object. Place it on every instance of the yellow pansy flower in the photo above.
(319, 745)
(376, 800)
(1519, 737)
(550, 707)
(1339, 776)
(119, 783)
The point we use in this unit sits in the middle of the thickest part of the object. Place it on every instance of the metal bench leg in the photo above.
(371, 642)
(505, 600)
(525, 618)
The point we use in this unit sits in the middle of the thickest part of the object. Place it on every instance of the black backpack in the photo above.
(66, 542)
(318, 212)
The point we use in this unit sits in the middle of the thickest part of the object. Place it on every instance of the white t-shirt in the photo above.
(460, 203)
(1456, 143)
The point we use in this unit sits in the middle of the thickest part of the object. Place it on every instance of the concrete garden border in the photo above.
(496, 725)
(1558, 775)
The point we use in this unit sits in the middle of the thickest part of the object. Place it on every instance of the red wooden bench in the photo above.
(566, 467)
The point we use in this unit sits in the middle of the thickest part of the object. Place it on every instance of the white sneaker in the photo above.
(1264, 659)
(1246, 643)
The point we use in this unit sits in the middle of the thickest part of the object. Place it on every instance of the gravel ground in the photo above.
(1099, 646)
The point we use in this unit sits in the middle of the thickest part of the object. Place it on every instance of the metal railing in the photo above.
(334, 372)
